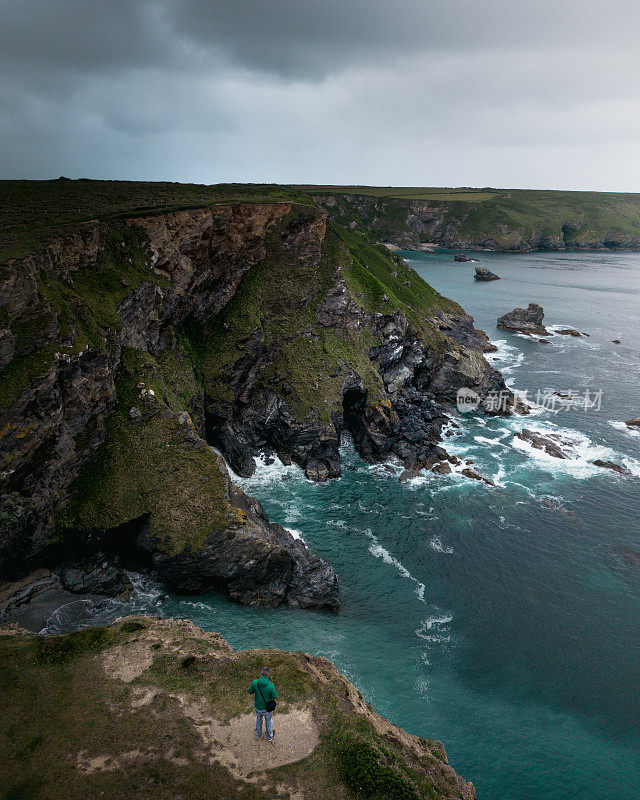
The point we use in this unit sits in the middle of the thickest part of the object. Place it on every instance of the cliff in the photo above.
(132, 345)
(159, 709)
(513, 220)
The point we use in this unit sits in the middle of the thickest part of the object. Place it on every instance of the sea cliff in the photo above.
(138, 348)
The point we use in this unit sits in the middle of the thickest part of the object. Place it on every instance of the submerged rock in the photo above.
(551, 443)
(484, 274)
(555, 505)
(570, 332)
(476, 476)
(525, 320)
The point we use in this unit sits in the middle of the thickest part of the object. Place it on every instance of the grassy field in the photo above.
(463, 195)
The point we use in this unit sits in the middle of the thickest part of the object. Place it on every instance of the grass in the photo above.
(53, 710)
(32, 213)
(502, 218)
(461, 195)
(82, 714)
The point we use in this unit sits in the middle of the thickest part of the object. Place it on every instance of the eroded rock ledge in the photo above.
(119, 706)
(131, 347)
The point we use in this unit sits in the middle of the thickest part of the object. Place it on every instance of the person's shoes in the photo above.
(270, 740)
(258, 738)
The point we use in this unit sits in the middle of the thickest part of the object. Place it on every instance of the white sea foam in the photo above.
(580, 450)
(377, 550)
(435, 543)
(198, 605)
(507, 358)
(83, 612)
(619, 425)
(266, 473)
(296, 534)
(433, 629)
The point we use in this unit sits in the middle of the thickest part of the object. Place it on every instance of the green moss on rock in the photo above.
(153, 465)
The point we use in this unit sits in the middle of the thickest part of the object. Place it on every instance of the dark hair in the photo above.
(266, 671)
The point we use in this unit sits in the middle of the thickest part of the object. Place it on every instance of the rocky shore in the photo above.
(134, 347)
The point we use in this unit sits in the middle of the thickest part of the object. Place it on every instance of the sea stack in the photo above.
(525, 320)
(484, 274)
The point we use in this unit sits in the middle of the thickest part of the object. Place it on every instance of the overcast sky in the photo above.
(530, 93)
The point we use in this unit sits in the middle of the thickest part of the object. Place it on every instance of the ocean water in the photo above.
(479, 616)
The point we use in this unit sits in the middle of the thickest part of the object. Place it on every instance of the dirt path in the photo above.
(236, 747)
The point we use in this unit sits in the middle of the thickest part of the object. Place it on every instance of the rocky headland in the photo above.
(158, 709)
(508, 220)
(137, 349)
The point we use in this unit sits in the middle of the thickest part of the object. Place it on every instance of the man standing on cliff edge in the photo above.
(265, 693)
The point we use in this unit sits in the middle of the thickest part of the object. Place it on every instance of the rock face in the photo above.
(151, 697)
(130, 286)
(133, 346)
(484, 274)
(525, 320)
(97, 575)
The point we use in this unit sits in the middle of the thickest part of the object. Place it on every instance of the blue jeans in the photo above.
(268, 723)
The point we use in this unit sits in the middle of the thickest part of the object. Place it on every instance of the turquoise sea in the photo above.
(508, 629)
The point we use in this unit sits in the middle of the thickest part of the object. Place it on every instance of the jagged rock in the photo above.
(471, 473)
(96, 575)
(484, 274)
(523, 320)
(461, 257)
(7, 347)
(633, 423)
(552, 443)
(612, 466)
(441, 468)
(616, 341)
(290, 378)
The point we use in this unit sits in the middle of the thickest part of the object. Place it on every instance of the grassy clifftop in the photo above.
(33, 212)
(504, 219)
(159, 709)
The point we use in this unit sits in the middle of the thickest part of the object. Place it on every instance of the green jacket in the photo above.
(267, 689)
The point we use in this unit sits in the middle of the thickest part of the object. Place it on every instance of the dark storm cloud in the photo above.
(80, 34)
(301, 38)
(357, 91)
